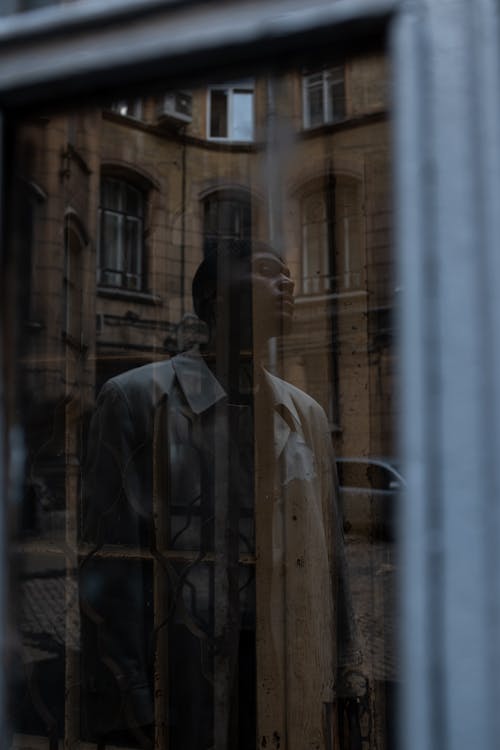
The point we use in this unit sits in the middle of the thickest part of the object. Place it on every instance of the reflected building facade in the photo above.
(117, 208)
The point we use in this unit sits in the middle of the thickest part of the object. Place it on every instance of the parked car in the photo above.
(369, 494)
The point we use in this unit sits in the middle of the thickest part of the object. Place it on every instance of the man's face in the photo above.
(265, 293)
(273, 300)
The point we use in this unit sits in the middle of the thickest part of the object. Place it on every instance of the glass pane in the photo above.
(133, 203)
(218, 114)
(242, 116)
(112, 242)
(133, 247)
(192, 379)
(315, 101)
(112, 194)
(336, 100)
(315, 251)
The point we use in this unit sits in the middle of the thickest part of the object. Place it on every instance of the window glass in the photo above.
(243, 116)
(335, 93)
(324, 96)
(122, 234)
(206, 538)
(218, 114)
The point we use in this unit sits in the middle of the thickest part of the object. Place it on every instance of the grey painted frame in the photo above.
(76, 49)
(447, 170)
(446, 115)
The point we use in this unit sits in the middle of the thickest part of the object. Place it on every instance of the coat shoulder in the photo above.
(304, 403)
(142, 378)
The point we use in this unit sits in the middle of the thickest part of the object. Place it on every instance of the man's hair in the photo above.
(204, 286)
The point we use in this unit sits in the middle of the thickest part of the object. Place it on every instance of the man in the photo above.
(219, 476)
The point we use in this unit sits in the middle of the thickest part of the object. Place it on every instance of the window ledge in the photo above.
(130, 296)
(349, 121)
(227, 144)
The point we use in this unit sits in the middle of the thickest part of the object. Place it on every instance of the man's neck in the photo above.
(238, 373)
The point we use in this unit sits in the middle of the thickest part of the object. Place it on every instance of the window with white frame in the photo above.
(324, 96)
(231, 112)
(121, 238)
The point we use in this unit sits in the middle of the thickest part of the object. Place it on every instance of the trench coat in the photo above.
(150, 428)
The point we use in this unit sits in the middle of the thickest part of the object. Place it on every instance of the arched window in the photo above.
(121, 235)
(331, 237)
(227, 216)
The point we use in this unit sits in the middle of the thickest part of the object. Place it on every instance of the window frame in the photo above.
(125, 216)
(231, 89)
(329, 117)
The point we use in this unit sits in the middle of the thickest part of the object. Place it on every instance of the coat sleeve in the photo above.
(115, 575)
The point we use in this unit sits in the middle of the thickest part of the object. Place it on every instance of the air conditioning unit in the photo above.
(176, 107)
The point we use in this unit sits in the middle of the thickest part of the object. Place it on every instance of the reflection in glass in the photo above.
(203, 326)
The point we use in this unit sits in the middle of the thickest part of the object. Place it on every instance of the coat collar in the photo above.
(199, 385)
(202, 390)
